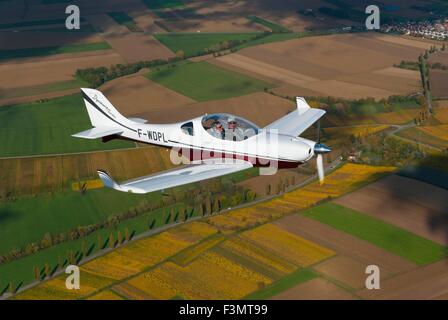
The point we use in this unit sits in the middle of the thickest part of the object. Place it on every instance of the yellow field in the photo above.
(105, 295)
(192, 232)
(210, 276)
(258, 255)
(394, 117)
(88, 184)
(55, 289)
(188, 255)
(287, 245)
(340, 135)
(337, 183)
(441, 114)
(440, 131)
(208, 265)
(136, 256)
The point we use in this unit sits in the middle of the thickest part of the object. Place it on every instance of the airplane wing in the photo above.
(97, 132)
(176, 177)
(298, 121)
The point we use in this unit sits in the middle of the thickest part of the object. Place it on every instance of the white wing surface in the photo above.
(176, 177)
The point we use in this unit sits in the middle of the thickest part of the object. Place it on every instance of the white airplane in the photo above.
(213, 149)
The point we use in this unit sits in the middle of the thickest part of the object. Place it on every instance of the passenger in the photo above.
(234, 132)
(217, 130)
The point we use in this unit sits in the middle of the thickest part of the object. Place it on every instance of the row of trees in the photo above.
(210, 197)
(383, 149)
(207, 206)
(97, 76)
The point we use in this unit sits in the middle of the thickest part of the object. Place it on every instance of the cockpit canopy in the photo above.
(229, 127)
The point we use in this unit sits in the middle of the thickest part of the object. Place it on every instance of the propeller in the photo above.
(320, 149)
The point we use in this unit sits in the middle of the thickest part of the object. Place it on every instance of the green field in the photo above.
(203, 81)
(21, 270)
(195, 43)
(47, 51)
(391, 238)
(46, 128)
(43, 88)
(122, 18)
(162, 4)
(285, 283)
(276, 28)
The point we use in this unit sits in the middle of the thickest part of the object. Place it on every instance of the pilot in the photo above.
(217, 130)
(234, 132)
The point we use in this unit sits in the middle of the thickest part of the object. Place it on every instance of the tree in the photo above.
(215, 206)
(111, 240)
(126, 234)
(47, 241)
(11, 288)
(100, 242)
(208, 205)
(119, 237)
(47, 270)
(84, 248)
(36, 273)
(180, 54)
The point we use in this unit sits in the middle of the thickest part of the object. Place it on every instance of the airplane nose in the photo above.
(320, 148)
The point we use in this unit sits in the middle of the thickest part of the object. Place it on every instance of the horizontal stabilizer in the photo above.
(138, 120)
(296, 122)
(98, 132)
(176, 177)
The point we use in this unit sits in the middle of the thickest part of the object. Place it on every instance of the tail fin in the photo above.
(101, 112)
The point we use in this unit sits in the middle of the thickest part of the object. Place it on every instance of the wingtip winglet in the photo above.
(108, 181)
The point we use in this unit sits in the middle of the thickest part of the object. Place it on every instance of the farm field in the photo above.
(420, 205)
(424, 135)
(194, 43)
(36, 175)
(396, 240)
(307, 68)
(338, 135)
(247, 252)
(132, 46)
(42, 89)
(264, 261)
(122, 18)
(60, 212)
(138, 96)
(46, 128)
(439, 80)
(205, 81)
(47, 51)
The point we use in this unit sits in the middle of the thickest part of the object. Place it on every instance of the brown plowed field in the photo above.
(347, 66)
(344, 243)
(131, 46)
(428, 282)
(316, 289)
(406, 203)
